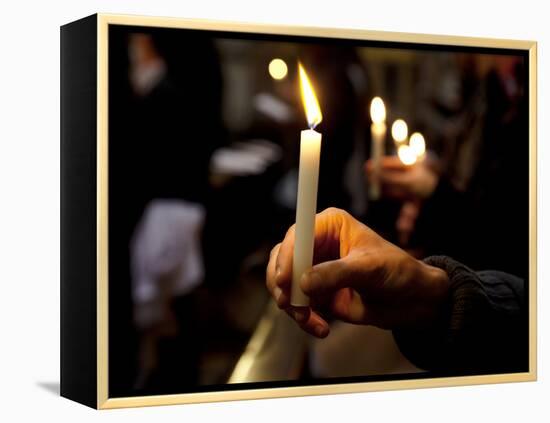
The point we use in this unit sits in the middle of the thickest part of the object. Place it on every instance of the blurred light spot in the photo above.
(399, 130)
(278, 69)
(377, 110)
(418, 144)
(406, 155)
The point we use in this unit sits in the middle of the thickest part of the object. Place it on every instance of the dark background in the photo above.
(161, 145)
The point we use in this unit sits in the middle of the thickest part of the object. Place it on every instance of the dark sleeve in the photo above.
(481, 328)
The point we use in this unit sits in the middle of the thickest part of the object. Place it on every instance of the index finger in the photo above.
(328, 224)
(283, 263)
(280, 297)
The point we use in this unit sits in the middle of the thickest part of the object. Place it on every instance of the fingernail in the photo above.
(321, 331)
(277, 294)
(299, 315)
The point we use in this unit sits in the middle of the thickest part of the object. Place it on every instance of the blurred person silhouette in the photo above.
(165, 122)
(478, 189)
(166, 267)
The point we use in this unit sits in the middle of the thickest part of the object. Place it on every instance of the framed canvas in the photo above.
(214, 248)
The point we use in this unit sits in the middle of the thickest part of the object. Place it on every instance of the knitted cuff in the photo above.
(451, 343)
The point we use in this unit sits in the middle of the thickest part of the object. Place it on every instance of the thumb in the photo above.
(330, 276)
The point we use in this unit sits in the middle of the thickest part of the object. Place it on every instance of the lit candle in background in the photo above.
(277, 69)
(308, 177)
(399, 131)
(418, 145)
(378, 136)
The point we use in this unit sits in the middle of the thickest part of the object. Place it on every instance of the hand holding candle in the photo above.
(350, 285)
(409, 176)
(308, 177)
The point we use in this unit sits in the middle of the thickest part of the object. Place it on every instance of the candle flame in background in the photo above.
(278, 69)
(418, 144)
(399, 130)
(377, 110)
(406, 155)
(311, 105)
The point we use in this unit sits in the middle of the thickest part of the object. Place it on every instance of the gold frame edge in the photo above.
(102, 214)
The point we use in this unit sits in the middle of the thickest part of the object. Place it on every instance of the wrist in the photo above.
(429, 184)
(436, 286)
(438, 280)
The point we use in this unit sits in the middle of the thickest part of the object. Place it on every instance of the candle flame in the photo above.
(406, 155)
(377, 110)
(418, 144)
(311, 105)
(399, 130)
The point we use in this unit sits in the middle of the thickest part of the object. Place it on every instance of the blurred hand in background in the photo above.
(405, 182)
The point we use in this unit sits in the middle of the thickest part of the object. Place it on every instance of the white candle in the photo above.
(378, 136)
(306, 204)
(306, 208)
